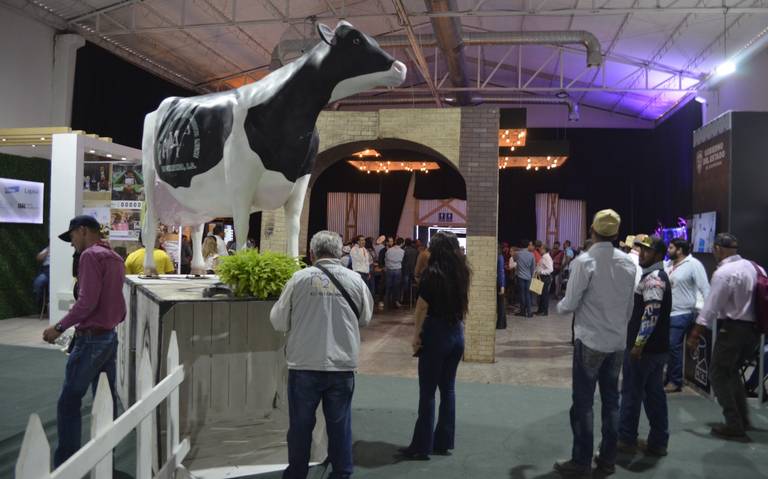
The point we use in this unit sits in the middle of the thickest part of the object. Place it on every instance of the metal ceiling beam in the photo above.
(542, 89)
(701, 56)
(418, 54)
(665, 46)
(581, 12)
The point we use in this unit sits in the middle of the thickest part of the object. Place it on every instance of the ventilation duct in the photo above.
(448, 37)
(294, 48)
(573, 107)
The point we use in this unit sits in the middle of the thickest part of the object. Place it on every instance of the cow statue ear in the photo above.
(326, 34)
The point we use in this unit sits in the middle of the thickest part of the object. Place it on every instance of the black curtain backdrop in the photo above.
(645, 175)
(440, 184)
(111, 96)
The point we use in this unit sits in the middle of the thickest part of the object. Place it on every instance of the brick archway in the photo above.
(466, 138)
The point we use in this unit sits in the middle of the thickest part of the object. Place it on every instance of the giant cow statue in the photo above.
(253, 148)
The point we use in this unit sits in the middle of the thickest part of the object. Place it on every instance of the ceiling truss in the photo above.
(521, 74)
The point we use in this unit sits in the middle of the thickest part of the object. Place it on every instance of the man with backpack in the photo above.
(733, 297)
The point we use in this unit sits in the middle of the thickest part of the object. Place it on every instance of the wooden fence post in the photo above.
(102, 417)
(35, 456)
(172, 403)
(144, 385)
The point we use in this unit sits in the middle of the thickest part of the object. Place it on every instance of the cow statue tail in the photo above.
(149, 228)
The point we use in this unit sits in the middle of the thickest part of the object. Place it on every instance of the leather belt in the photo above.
(91, 332)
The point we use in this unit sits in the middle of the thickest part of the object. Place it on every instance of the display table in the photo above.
(233, 401)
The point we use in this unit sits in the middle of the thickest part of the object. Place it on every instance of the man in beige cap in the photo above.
(600, 293)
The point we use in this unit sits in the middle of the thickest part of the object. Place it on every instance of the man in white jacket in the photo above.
(322, 350)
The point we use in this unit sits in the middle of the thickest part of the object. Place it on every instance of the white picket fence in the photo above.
(95, 457)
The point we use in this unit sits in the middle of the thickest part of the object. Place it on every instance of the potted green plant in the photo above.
(261, 275)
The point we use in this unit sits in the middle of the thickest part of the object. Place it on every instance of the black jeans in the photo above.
(544, 298)
(736, 343)
(442, 348)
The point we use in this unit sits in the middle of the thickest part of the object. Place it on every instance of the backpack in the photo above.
(761, 300)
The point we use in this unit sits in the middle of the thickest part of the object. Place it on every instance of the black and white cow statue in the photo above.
(253, 148)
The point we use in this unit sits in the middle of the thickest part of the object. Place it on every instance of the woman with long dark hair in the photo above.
(439, 343)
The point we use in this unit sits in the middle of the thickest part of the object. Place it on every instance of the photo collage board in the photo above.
(113, 193)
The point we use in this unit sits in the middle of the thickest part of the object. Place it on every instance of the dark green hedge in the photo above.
(20, 243)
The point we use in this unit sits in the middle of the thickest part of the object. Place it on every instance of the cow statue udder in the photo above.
(253, 148)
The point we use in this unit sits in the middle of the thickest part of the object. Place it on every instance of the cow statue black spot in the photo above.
(253, 148)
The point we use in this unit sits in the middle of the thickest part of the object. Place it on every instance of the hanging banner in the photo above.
(21, 201)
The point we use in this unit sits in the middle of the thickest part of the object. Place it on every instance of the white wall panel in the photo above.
(367, 214)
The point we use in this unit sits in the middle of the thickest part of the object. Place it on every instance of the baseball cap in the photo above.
(651, 242)
(78, 221)
(726, 240)
(606, 223)
(628, 242)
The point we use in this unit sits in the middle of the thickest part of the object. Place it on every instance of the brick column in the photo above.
(478, 163)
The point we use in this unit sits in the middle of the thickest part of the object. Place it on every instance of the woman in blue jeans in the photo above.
(439, 343)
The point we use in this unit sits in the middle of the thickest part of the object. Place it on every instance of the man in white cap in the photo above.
(600, 293)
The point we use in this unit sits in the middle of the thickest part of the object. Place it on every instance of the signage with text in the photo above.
(21, 201)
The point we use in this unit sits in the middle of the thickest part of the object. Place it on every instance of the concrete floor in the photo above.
(533, 352)
(512, 415)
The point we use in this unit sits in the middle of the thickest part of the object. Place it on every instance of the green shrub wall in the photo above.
(20, 243)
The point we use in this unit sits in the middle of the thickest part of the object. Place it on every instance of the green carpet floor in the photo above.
(505, 432)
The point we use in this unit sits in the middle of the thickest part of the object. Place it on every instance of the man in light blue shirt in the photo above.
(601, 294)
(526, 266)
(689, 278)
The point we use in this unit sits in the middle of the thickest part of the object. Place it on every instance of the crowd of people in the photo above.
(390, 266)
(631, 309)
(519, 266)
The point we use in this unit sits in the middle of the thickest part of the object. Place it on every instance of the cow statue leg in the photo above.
(198, 263)
(292, 209)
(241, 217)
(149, 228)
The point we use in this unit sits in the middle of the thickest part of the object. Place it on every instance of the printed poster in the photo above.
(127, 184)
(124, 224)
(97, 182)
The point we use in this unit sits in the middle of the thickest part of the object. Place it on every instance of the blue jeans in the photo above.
(524, 287)
(643, 386)
(305, 391)
(40, 284)
(591, 368)
(89, 358)
(393, 286)
(441, 352)
(678, 328)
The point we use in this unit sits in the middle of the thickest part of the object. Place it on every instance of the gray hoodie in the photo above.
(323, 332)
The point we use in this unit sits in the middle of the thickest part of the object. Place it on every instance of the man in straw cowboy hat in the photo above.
(600, 293)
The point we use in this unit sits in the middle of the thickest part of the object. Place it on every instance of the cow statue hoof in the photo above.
(197, 272)
(150, 273)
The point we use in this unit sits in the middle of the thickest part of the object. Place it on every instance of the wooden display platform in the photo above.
(233, 401)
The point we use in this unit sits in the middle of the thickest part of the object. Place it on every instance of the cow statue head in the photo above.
(356, 61)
